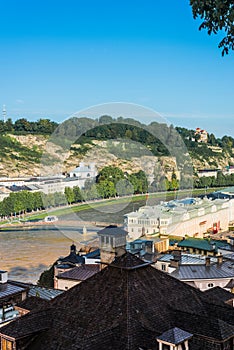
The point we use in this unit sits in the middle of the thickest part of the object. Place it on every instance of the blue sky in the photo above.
(58, 57)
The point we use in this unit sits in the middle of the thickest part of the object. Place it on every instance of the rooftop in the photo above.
(80, 273)
(7, 289)
(213, 271)
(124, 306)
(220, 293)
(175, 336)
(112, 230)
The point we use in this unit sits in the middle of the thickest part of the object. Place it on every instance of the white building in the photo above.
(190, 216)
(198, 271)
(84, 172)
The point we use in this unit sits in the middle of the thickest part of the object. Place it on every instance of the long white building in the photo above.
(191, 216)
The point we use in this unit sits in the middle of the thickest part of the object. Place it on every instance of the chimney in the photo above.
(220, 259)
(174, 263)
(207, 261)
(3, 277)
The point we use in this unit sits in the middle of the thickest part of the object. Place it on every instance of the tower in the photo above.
(112, 243)
(4, 113)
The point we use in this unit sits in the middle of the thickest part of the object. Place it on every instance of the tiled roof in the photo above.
(80, 273)
(7, 289)
(94, 254)
(188, 272)
(187, 259)
(32, 303)
(112, 230)
(220, 293)
(127, 305)
(175, 336)
(72, 258)
(202, 244)
(44, 293)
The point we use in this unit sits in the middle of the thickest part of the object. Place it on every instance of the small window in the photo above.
(210, 285)
(163, 267)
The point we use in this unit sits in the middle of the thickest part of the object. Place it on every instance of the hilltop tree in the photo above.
(217, 15)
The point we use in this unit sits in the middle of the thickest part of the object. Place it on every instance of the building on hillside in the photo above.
(128, 305)
(84, 172)
(193, 217)
(4, 193)
(208, 172)
(74, 276)
(202, 135)
(229, 170)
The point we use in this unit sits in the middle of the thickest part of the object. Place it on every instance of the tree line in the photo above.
(22, 126)
(111, 182)
(211, 181)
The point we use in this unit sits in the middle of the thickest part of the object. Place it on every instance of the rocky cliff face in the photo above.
(34, 155)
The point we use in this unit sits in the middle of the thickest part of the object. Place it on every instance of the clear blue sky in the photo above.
(58, 57)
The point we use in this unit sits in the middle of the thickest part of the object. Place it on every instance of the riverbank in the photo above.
(82, 212)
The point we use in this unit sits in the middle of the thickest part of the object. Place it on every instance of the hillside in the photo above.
(124, 143)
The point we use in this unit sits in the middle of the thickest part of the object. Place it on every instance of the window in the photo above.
(7, 344)
(210, 285)
(163, 267)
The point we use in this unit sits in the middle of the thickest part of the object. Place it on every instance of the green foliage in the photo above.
(69, 194)
(25, 201)
(46, 279)
(41, 127)
(12, 149)
(210, 181)
(217, 15)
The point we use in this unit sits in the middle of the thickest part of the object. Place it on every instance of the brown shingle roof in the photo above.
(80, 273)
(126, 306)
(220, 293)
(32, 303)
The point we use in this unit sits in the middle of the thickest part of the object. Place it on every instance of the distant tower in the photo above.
(112, 243)
(4, 113)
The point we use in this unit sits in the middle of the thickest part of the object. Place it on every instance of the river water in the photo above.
(25, 254)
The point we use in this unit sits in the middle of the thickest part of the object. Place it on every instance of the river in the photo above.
(25, 254)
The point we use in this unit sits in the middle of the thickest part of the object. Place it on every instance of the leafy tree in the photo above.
(77, 194)
(46, 279)
(106, 189)
(124, 188)
(69, 194)
(217, 15)
(110, 173)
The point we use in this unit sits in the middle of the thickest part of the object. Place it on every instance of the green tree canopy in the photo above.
(217, 15)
